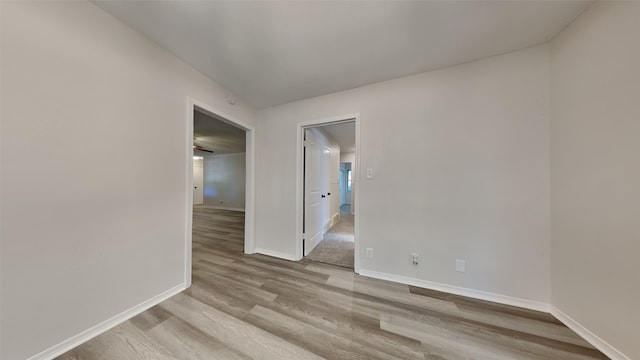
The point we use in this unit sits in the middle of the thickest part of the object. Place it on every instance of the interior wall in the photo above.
(595, 172)
(460, 161)
(349, 157)
(94, 160)
(224, 181)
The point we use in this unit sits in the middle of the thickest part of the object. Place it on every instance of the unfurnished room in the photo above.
(410, 180)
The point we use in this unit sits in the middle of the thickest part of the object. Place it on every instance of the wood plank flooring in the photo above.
(257, 307)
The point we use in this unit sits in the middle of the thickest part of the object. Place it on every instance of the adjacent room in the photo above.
(219, 178)
(329, 152)
(477, 191)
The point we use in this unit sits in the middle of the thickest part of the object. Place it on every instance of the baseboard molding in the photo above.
(104, 326)
(335, 219)
(223, 208)
(590, 337)
(472, 293)
(310, 244)
(326, 226)
(276, 254)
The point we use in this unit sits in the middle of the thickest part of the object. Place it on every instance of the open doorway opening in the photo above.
(221, 179)
(346, 183)
(329, 234)
(219, 160)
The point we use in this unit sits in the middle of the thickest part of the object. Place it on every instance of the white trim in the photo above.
(334, 219)
(250, 193)
(222, 208)
(311, 244)
(590, 337)
(249, 220)
(106, 325)
(188, 198)
(356, 199)
(299, 179)
(276, 254)
(472, 293)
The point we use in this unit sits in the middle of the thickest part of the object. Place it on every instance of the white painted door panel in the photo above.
(198, 185)
(314, 204)
(325, 180)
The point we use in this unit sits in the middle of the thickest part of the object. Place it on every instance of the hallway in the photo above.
(337, 246)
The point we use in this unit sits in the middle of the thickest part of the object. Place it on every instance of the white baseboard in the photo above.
(335, 219)
(276, 254)
(590, 337)
(472, 293)
(104, 326)
(223, 208)
(586, 334)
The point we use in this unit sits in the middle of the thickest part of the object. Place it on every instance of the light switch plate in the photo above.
(369, 173)
(461, 265)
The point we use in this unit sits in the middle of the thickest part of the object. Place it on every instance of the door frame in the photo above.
(249, 219)
(301, 126)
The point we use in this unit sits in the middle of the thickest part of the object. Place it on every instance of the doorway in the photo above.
(346, 187)
(328, 234)
(220, 182)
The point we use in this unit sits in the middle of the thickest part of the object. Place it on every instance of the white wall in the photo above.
(91, 111)
(348, 157)
(224, 180)
(461, 171)
(595, 173)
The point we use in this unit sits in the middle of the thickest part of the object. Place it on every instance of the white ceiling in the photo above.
(274, 52)
(216, 135)
(343, 133)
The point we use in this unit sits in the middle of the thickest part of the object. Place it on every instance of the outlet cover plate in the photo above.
(369, 173)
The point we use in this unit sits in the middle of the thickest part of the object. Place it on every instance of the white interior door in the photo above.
(198, 182)
(325, 184)
(313, 214)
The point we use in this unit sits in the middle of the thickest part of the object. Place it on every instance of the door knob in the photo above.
(328, 194)
(323, 196)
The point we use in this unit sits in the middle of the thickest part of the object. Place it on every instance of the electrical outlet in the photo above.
(461, 265)
(369, 252)
(414, 258)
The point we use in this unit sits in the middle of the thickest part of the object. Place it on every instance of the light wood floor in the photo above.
(257, 307)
